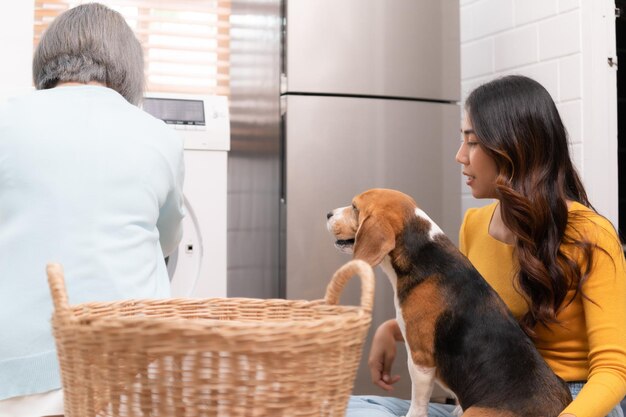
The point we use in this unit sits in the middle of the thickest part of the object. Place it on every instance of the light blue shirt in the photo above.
(94, 183)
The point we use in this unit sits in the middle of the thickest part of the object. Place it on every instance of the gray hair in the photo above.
(87, 43)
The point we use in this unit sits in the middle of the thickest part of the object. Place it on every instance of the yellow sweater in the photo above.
(590, 342)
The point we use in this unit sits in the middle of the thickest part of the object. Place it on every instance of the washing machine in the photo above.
(198, 267)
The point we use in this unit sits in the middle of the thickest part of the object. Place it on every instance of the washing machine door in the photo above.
(183, 266)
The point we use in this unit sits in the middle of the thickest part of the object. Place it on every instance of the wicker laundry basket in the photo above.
(211, 357)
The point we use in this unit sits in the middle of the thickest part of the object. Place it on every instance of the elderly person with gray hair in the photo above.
(87, 179)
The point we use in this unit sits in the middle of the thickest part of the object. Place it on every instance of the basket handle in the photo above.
(341, 277)
(56, 281)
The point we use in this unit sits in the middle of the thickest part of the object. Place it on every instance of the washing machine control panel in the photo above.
(202, 121)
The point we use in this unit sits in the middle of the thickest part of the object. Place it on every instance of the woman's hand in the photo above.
(382, 354)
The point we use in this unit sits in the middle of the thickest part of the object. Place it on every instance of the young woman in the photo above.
(557, 264)
(87, 179)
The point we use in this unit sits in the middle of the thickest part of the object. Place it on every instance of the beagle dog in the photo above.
(456, 328)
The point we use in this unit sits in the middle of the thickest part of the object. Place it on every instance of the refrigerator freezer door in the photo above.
(337, 147)
(399, 48)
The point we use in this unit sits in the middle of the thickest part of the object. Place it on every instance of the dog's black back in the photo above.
(481, 352)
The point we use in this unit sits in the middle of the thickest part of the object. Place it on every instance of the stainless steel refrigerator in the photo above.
(369, 93)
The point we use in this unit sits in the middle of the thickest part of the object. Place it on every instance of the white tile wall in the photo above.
(569, 77)
(576, 151)
(515, 48)
(491, 16)
(467, 24)
(571, 114)
(565, 5)
(477, 58)
(537, 38)
(527, 11)
(559, 36)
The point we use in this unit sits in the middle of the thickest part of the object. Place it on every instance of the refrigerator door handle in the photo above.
(282, 192)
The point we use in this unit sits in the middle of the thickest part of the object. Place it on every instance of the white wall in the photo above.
(563, 44)
(16, 47)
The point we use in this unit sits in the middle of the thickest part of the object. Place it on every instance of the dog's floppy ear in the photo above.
(374, 239)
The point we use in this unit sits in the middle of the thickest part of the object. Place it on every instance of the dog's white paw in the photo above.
(417, 411)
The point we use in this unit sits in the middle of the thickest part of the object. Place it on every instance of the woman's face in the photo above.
(479, 168)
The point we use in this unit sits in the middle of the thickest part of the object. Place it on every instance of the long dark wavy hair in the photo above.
(517, 123)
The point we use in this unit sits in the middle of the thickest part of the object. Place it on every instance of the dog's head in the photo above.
(369, 227)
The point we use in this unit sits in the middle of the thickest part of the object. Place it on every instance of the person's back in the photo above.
(83, 174)
(88, 180)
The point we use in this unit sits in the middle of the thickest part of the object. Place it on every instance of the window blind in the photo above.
(186, 43)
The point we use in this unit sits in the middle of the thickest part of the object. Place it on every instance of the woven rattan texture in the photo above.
(211, 357)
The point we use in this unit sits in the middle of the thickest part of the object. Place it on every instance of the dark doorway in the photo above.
(620, 38)
(620, 46)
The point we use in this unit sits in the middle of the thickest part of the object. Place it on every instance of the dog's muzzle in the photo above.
(333, 221)
(345, 245)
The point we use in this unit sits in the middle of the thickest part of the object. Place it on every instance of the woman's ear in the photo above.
(374, 240)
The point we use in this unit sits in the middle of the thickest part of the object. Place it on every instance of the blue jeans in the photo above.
(374, 406)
